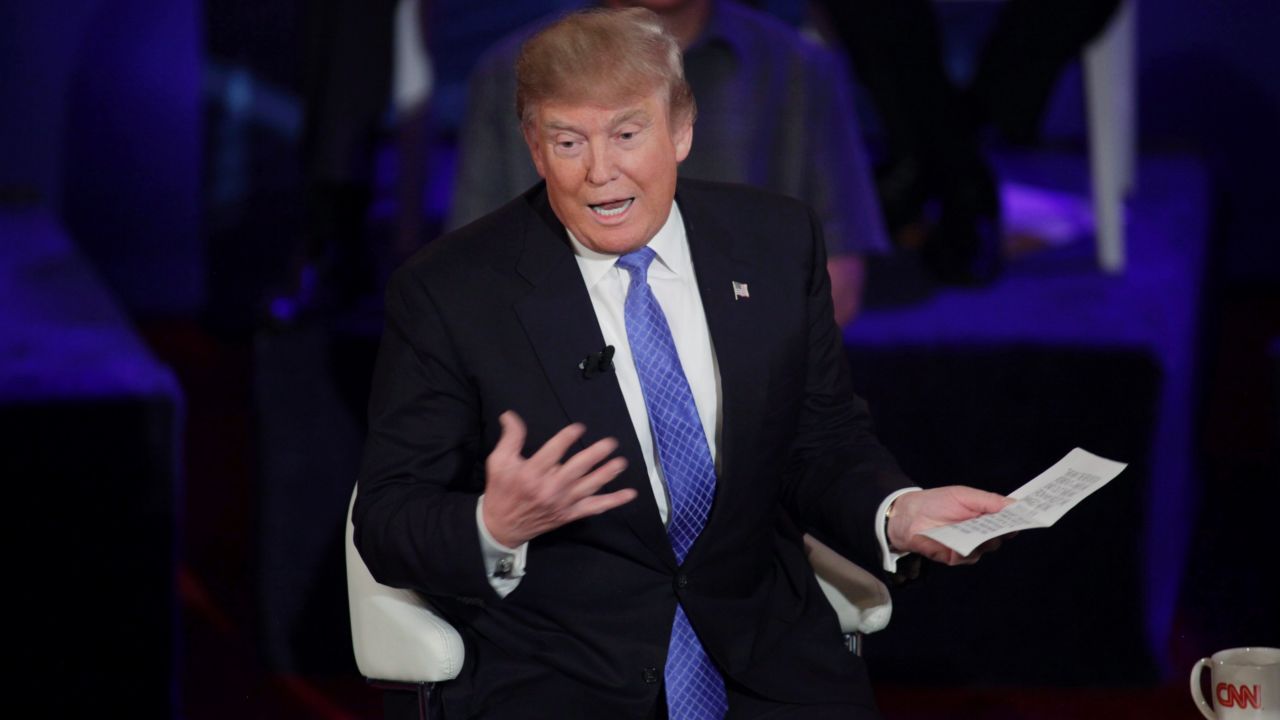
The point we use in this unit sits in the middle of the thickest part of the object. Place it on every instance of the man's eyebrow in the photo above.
(636, 115)
(558, 125)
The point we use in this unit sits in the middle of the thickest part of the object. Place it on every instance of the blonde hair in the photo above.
(602, 56)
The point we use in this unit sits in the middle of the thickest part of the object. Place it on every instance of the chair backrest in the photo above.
(861, 601)
(395, 633)
(398, 637)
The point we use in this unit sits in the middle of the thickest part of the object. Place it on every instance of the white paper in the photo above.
(1040, 503)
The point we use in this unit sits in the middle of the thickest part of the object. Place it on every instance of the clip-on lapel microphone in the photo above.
(597, 362)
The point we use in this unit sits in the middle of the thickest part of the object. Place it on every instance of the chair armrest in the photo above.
(395, 633)
(861, 601)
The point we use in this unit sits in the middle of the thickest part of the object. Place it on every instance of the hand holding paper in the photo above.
(1039, 503)
(916, 512)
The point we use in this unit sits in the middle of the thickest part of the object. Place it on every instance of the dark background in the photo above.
(162, 140)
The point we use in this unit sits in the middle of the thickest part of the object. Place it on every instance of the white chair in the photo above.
(402, 645)
(1111, 99)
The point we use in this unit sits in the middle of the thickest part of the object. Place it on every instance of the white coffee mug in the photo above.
(1245, 684)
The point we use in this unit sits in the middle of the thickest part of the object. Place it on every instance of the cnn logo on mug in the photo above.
(1245, 684)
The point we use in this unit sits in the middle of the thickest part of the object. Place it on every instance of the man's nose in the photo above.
(602, 167)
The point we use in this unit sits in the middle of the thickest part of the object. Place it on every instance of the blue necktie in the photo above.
(695, 689)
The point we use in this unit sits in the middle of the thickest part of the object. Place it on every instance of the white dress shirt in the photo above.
(672, 280)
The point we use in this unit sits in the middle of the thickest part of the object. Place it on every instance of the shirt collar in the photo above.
(670, 245)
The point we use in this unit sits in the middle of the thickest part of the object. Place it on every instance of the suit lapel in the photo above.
(719, 261)
(557, 315)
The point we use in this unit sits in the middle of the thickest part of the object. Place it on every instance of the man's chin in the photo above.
(612, 240)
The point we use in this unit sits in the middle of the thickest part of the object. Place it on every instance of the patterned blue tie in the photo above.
(695, 689)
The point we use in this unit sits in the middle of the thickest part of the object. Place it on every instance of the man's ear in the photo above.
(682, 138)
(535, 148)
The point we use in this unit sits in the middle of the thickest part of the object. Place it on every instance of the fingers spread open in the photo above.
(596, 504)
(553, 450)
(590, 483)
(582, 462)
(527, 497)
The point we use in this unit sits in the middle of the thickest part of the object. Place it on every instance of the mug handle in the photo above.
(1196, 672)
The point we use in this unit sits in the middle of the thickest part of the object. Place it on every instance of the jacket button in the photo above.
(650, 675)
(682, 581)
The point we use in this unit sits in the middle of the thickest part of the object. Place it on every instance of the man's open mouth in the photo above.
(612, 208)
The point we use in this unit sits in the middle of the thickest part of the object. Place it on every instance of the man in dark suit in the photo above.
(602, 416)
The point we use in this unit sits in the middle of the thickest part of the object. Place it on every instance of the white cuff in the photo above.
(503, 566)
(888, 557)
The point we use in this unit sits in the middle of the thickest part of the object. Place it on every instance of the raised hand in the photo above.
(525, 497)
(915, 512)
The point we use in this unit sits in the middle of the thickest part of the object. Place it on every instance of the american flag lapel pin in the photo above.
(740, 291)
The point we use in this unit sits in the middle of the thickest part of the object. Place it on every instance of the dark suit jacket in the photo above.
(495, 316)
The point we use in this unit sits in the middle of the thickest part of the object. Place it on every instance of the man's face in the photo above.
(610, 169)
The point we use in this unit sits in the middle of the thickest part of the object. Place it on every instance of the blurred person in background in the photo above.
(933, 127)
